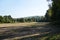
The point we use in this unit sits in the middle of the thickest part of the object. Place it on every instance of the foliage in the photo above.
(48, 15)
(53, 37)
(56, 11)
(32, 19)
(9, 19)
(1, 19)
(53, 13)
(6, 19)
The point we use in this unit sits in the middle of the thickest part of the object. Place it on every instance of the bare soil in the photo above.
(23, 30)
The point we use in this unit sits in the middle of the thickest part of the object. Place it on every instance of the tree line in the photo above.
(6, 19)
(53, 13)
(9, 19)
(32, 19)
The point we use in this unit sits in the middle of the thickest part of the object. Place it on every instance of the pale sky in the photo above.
(23, 8)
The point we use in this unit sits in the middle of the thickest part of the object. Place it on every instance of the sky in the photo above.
(23, 8)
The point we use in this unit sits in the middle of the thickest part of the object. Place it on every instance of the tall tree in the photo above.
(1, 19)
(55, 12)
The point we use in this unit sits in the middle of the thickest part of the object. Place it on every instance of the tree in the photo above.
(8, 19)
(56, 11)
(54, 15)
(48, 15)
(1, 19)
(20, 20)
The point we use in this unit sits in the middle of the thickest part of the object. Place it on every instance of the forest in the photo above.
(9, 19)
(53, 13)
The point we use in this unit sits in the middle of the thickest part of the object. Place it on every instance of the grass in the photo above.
(29, 24)
(53, 37)
(16, 24)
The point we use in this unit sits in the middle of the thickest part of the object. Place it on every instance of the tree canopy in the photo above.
(53, 13)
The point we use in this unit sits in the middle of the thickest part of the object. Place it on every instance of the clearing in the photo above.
(15, 31)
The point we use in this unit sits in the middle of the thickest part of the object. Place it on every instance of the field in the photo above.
(25, 31)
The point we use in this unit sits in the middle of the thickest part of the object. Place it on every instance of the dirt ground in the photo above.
(21, 24)
(23, 30)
